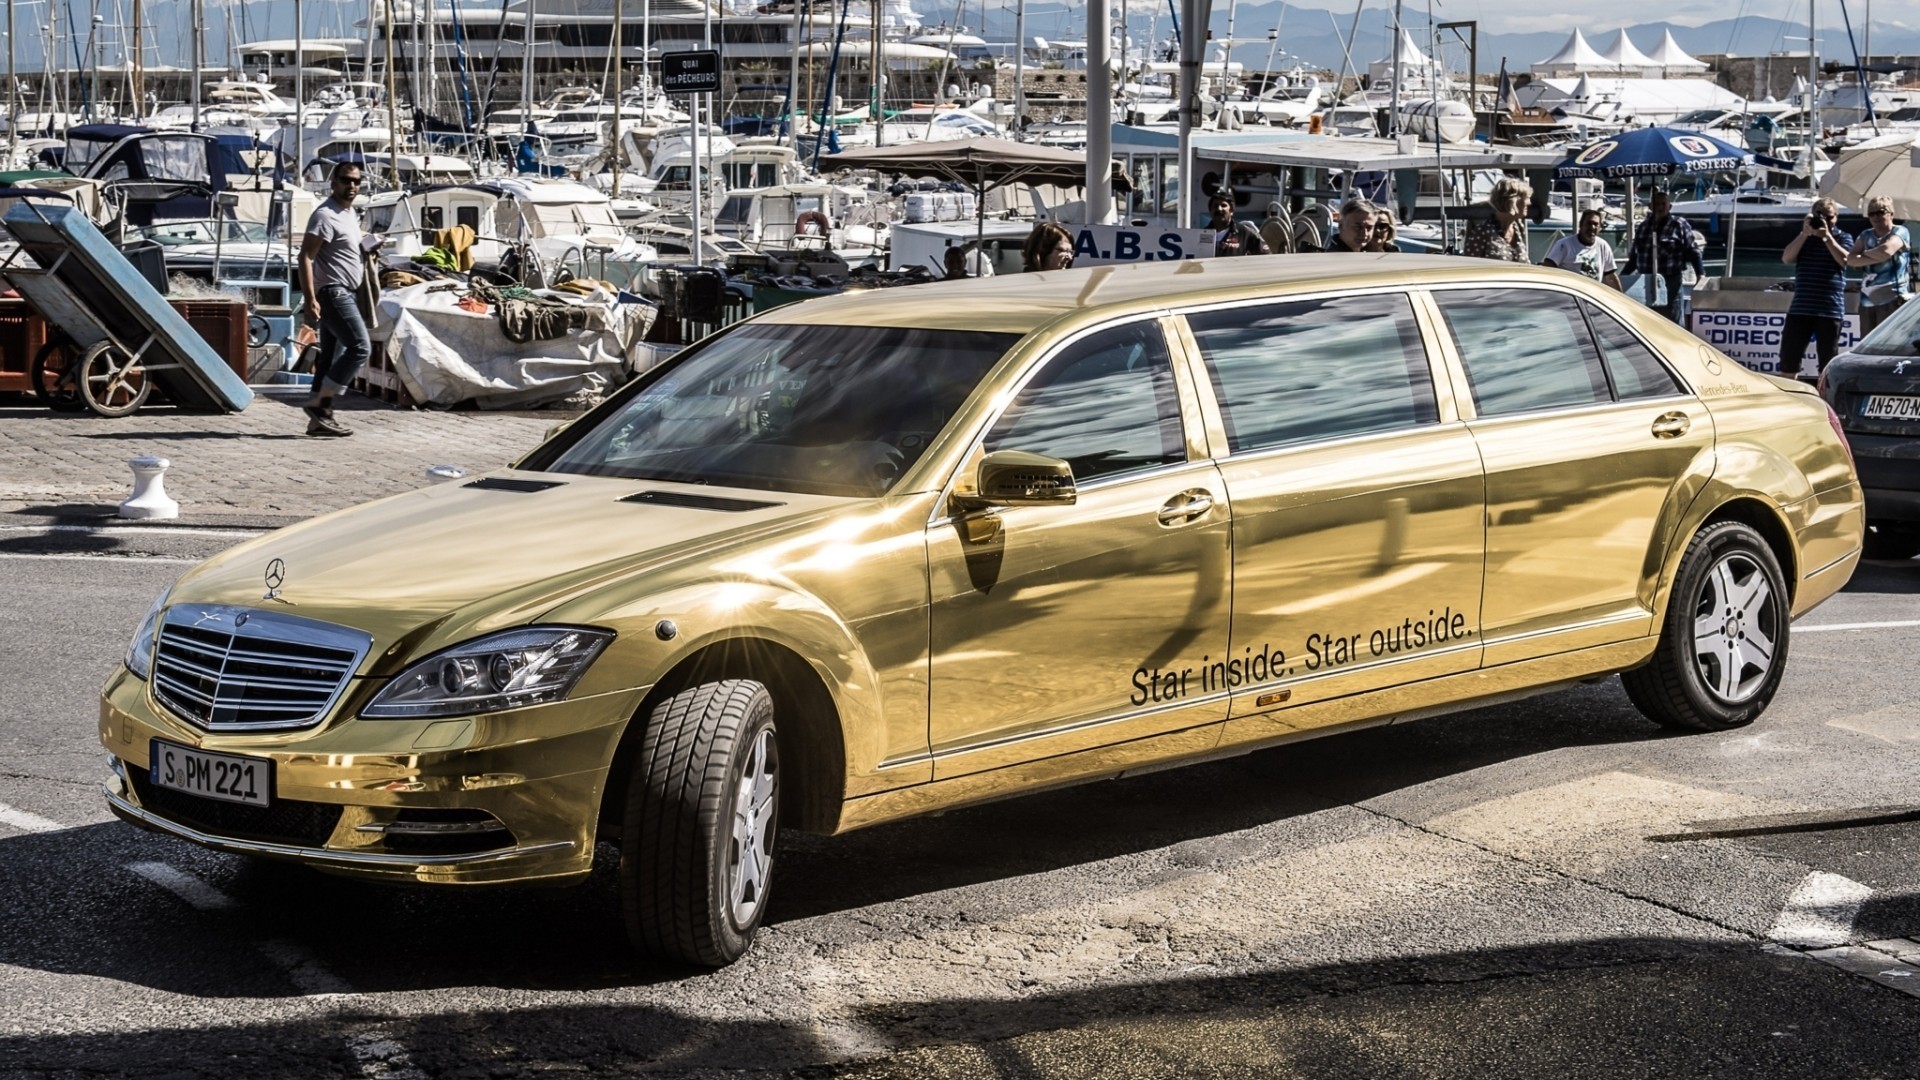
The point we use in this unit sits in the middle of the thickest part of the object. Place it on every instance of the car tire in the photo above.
(1723, 643)
(701, 818)
(1891, 540)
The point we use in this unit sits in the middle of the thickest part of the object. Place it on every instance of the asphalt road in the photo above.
(1543, 886)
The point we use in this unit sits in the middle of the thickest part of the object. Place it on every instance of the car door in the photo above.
(1062, 628)
(1357, 504)
(1585, 437)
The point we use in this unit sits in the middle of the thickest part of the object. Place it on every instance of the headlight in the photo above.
(140, 650)
(499, 671)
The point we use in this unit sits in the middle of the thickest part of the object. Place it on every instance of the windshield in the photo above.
(1898, 336)
(822, 410)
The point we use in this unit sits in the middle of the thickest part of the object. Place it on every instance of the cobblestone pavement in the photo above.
(252, 468)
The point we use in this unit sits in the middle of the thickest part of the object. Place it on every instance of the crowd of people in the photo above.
(1664, 248)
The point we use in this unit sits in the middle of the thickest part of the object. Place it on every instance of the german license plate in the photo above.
(227, 777)
(1891, 407)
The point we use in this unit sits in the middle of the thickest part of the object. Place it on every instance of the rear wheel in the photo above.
(702, 815)
(55, 387)
(1723, 645)
(1892, 540)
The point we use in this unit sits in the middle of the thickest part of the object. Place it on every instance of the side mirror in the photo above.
(1018, 478)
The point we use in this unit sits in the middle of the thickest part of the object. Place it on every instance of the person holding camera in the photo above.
(1819, 309)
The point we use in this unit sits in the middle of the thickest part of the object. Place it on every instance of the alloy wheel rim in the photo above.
(1736, 629)
(750, 854)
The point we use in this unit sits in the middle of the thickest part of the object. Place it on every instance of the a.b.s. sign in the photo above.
(1100, 245)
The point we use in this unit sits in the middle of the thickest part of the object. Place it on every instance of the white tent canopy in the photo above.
(1575, 55)
(1669, 54)
(1622, 54)
(1634, 101)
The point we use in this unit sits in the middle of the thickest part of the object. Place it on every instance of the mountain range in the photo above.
(1316, 37)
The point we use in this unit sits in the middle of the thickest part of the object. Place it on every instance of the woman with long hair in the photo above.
(1049, 247)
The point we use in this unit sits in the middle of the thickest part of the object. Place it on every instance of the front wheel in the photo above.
(111, 382)
(1723, 645)
(702, 815)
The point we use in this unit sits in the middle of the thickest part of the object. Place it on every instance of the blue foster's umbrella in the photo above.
(1653, 151)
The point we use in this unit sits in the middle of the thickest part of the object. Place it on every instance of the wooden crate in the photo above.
(222, 321)
(22, 333)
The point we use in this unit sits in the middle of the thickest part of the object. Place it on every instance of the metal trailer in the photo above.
(117, 332)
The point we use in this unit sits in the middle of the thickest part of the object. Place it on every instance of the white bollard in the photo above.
(440, 474)
(149, 501)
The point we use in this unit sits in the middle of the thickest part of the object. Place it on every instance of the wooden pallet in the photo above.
(379, 381)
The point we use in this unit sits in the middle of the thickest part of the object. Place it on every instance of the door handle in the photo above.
(1185, 507)
(1671, 425)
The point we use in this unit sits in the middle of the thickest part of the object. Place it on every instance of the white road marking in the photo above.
(1820, 912)
(379, 1054)
(1803, 628)
(27, 822)
(1817, 922)
(118, 556)
(183, 885)
(304, 970)
(148, 530)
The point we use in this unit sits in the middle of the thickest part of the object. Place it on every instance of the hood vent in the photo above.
(508, 483)
(698, 502)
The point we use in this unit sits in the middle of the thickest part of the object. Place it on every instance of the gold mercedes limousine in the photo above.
(882, 554)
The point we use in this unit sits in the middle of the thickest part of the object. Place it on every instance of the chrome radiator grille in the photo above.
(241, 669)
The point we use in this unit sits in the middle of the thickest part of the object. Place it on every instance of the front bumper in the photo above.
(348, 794)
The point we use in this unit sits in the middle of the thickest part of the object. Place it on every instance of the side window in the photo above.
(1635, 371)
(433, 217)
(1524, 350)
(1316, 369)
(468, 216)
(1106, 404)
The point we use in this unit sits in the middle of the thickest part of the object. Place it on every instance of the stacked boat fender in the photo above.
(925, 206)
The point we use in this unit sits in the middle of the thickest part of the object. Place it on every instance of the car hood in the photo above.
(485, 554)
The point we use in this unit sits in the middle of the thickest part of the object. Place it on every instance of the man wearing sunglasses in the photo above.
(333, 268)
(1819, 309)
(1884, 251)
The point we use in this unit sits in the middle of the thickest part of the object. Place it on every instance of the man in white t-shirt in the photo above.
(1585, 253)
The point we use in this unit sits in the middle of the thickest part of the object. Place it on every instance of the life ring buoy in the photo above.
(812, 223)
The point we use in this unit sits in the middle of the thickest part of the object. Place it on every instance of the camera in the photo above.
(1816, 222)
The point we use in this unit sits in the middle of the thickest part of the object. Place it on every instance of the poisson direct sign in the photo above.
(1753, 337)
(696, 71)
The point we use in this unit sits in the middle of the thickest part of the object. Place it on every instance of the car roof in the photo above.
(1022, 303)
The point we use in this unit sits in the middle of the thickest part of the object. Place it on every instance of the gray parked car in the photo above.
(1875, 390)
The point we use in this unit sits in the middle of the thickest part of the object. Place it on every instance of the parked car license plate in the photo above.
(1891, 407)
(228, 777)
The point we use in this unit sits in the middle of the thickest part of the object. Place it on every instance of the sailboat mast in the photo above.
(393, 108)
(619, 47)
(1019, 64)
(1813, 92)
(13, 86)
(800, 41)
(526, 69)
(136, 67)
(193, 62)
(299, 100)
